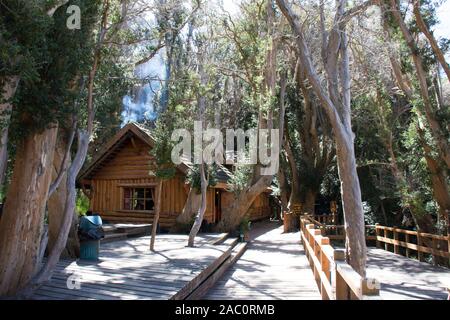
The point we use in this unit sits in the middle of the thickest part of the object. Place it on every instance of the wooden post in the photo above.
(377, 234)
(448, 249)
(396, 247)
(339, 286)
(407, 242)
(419, 244)
(324, 259)
(386, 246)
(370, 287)
(341, 289)
(434, 247)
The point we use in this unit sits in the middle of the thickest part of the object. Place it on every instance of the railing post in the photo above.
(377, 234)
(396, 247)
(386, 245)
(419, 244)
(340, 288)
(407, 242)
(324, 259)
(370, 287)
(447, 214)
(434, 245)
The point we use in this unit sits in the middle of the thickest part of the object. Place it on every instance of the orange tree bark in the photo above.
(23, 215)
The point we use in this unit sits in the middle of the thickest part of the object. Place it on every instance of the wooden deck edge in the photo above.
(221, 239)
(206, 285)
(192, 285)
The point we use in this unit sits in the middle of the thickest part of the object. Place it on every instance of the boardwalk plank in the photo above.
(128, 270)
(403, 278)
(273, 267)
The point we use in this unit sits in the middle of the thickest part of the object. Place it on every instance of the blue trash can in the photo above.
(90, 232)
(90, 250)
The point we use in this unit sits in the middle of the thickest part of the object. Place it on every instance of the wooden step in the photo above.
(109, 228)
(221, 239)
(237, 249)
(164, 222)
(114, 237)
(230, 242)
(134, 229)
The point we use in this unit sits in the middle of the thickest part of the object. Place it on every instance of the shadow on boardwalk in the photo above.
(129, 270)
(402, 278)
(273, 267)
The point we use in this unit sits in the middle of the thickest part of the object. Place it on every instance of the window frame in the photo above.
(132, 198)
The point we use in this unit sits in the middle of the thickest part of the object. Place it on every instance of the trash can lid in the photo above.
(96, 220)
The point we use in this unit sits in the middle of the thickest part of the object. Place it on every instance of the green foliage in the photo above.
(240, 179)
(245, 224)
(50, 58)
(194, 179)
(162, 149)
(82, 203)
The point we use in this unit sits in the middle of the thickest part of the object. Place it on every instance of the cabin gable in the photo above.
(132, 161)
(122, 184)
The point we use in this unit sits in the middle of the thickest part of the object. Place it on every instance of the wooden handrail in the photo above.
(440, 244)
(390, 237)
(335, 278)
(324, 218)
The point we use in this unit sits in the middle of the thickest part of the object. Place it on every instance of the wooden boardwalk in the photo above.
(402, 278)
(273, 267)
(128, 270)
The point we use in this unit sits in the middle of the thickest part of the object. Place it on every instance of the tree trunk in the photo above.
(201, 211)
(9, 87)
(438, 181)
(284, 200)
(434, 124)
(21, 225)
(294, 197)
(352, 204)
(190, 208)
(438, 174)
(309, 202)
(340, 119)
(157, 213)
(56, 203)
(291, 220)
(233, 215)
(46, 272)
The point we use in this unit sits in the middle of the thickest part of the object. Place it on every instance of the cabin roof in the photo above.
(116, 143)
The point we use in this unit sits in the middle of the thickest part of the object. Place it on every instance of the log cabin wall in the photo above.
(131, 167)
(260, 208)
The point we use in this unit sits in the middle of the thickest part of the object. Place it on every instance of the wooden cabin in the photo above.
(121, 187)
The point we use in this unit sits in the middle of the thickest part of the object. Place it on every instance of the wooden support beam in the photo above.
(377, 233)
(419, 244)
(396, 247)
(407, 241)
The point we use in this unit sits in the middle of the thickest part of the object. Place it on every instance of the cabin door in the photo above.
(217, 205)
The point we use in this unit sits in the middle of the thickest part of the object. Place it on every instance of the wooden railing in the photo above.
(335, 278)
(327, 219)
(338, 232)
(399, 241)
(393, 239)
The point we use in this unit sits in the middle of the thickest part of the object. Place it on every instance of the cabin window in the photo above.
(138, 199)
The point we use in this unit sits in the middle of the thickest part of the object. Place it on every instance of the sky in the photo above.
(443, 29)
(140, 104)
